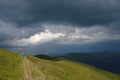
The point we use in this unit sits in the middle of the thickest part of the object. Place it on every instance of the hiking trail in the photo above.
(29, 68)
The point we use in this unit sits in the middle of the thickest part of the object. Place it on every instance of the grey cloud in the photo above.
(82, 12)
(59, 34)
(13, 10)
(10, 31)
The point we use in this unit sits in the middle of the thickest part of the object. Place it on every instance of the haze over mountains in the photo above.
(104, 60)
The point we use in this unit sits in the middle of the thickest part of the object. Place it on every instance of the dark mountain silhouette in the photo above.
(44, 57)
(104, 60)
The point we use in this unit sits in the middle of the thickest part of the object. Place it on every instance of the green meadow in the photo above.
(13, 67)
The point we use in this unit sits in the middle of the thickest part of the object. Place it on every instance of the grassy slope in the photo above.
(68, 70)
(12, 68)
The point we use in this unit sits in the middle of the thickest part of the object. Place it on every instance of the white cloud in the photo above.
(59, 34)
(38, 38)
(78, 35)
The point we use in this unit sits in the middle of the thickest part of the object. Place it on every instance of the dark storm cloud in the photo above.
(86, 12)
(13, 11)
(83, 12)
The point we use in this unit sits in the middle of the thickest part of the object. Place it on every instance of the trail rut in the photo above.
(27, 69)
(30, 68)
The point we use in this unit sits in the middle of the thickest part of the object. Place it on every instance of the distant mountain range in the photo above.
(105, 60)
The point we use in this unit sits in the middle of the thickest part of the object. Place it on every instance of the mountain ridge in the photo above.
(104, 60)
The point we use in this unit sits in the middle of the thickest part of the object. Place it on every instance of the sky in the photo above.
(60, 26)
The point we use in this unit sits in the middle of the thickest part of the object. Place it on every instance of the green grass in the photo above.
(12, 68)
(64, 69)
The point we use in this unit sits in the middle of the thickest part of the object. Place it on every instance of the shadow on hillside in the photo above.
(47, 57)
(102, 63)
(104, 60)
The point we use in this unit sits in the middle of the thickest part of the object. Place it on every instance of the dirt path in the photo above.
(27, 69)
(30, 67)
